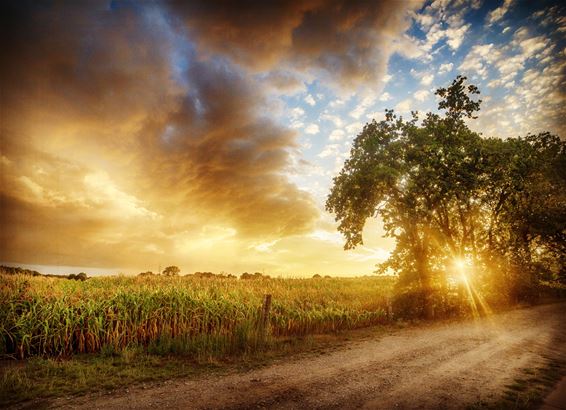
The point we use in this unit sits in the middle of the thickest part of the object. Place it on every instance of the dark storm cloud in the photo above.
(350, 41)
(232, 155)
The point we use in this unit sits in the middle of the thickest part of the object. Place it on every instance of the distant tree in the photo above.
(204, 274)
(171, 271)
(148, 273)
(256, 275)
(316, 276)
(82, 276)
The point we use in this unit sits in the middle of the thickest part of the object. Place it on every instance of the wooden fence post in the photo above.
(265, 314)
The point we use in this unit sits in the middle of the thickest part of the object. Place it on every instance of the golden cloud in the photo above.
(132, 132)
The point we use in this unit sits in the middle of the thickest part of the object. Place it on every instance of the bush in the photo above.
(419, 303)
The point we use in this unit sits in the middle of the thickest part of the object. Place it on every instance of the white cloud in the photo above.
(421, 95)
(456, 36)
(354, 128)
(445, 68)
(531, 46)
(330, 150)
(336, 103)
(411, 47)
(296, 113)
(444, 20)
(310, 100)
(337, 135)
(312, 129)
(376, 115)
(403, 106)
(497, 14)
(297, 124)
(477, 60)
(336, 120)
(533, 103)
(362, 107)
(427, 79)
(521, 33)
(385, 97)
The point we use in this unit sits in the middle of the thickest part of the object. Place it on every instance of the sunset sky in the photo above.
(206, 134)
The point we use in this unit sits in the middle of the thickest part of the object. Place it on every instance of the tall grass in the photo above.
(195, 316)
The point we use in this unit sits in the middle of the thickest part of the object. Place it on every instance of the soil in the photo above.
(434, 366)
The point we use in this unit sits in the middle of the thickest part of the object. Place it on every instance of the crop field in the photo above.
(196, 316)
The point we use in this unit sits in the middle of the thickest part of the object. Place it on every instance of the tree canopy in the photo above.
(447, 196)
(171, 271)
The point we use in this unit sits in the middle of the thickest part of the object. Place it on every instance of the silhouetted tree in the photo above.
(148, 273)
(171, 271)
(444, 192)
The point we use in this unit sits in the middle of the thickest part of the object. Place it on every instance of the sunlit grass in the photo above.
(193, 316)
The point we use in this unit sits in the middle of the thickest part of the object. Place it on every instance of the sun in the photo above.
(462, 267)
(460, 264)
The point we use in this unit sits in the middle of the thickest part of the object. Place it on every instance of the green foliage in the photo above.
(190, 315)
(445, 193)
(455, 99)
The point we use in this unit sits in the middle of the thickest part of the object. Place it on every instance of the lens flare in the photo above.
(464, 269)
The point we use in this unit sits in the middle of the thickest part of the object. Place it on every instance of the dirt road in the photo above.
(429, 367)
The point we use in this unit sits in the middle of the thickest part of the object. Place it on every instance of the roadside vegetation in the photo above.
(106, 332)
(191, 315)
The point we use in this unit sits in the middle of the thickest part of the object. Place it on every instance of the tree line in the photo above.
(16, 270)
(176, 271)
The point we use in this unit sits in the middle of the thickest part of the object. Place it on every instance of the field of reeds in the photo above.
(203, 317)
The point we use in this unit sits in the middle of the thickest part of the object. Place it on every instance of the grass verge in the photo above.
(529, 390)
(31, 383)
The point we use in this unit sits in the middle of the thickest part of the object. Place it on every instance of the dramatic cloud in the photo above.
(350, 41)
(114, 144)
(206, 134)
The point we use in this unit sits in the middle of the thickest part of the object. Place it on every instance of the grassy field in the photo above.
(108, 332)
(198, 317)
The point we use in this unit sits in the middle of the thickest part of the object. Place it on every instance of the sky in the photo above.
(205, 134)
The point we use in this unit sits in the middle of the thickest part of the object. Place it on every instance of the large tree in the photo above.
(446, 194)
